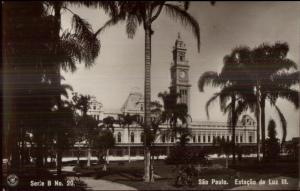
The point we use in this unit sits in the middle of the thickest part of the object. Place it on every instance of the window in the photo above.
(236, 138)
(132, 137)
(250, 139)
(142, 137)
(142, 108)
(194, 139)
(172, 139)
(241, 138)
(181, 58)
(208, 138)
(119, 137)
(204, 139)
(119, 152)
(227, 138)
(94, 107)
(199, 138)
(163, 138)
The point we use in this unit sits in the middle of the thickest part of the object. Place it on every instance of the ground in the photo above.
(128, 176)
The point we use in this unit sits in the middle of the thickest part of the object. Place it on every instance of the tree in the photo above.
(223, 147)
(35, 49)
(23, 54)
(272, 143)
(233, 90)
(176, 116)
(269, 72)
(126, 120)
(257, 75)
(63, 124)
(103, 142)
(145, 13)
(108, 123)
(87, 124)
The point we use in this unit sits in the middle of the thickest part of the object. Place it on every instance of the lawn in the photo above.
(131, 174)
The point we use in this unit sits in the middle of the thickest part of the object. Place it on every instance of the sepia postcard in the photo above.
(150, 95)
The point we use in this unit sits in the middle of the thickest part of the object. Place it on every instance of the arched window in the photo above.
(132, 137)
(119, 137)
(142, 137)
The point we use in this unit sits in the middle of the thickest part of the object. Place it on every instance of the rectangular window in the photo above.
(204, 139)
(199, 138)
(227, 138)
(208, 138)
(250, 139)
(194, 139)
(236, 138)
(241, 138)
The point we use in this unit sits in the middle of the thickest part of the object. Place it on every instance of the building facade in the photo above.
(129, 141)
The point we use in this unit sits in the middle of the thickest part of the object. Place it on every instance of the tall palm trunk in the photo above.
(89, 154)
(57, 82)
(258, 119)
(263, 132)
(233, 124)
(147, 154)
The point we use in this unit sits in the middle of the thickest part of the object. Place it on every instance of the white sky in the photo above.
(120, 66)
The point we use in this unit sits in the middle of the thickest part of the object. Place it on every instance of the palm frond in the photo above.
(207, 78)
(286, 79)
(111, 22)
(109, 7)
(85, 36)
(283, 123)
(209, 102)
(175, 12)
(290, 95)
(131, 25)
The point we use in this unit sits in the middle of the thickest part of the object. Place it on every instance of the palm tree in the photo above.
(108, 122)
(274, 78)
(232, 88)
(86, 123)
(127, 120)
(266, 70)
(45, 50)
(257, 75)
(145, 13)
(172, 114)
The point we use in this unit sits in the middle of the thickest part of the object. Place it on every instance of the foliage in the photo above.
(249, 77)
(176, 116)
(182, 155)
(81, 102)
(272, 143)
(104, 140)
(145, 13)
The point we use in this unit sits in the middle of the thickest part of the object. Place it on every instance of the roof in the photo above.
(132, 102)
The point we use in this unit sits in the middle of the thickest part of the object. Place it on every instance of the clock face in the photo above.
(182, 74)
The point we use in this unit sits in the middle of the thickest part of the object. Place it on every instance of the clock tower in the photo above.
(180, 73)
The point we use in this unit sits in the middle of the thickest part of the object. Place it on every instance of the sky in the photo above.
(119, 68)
